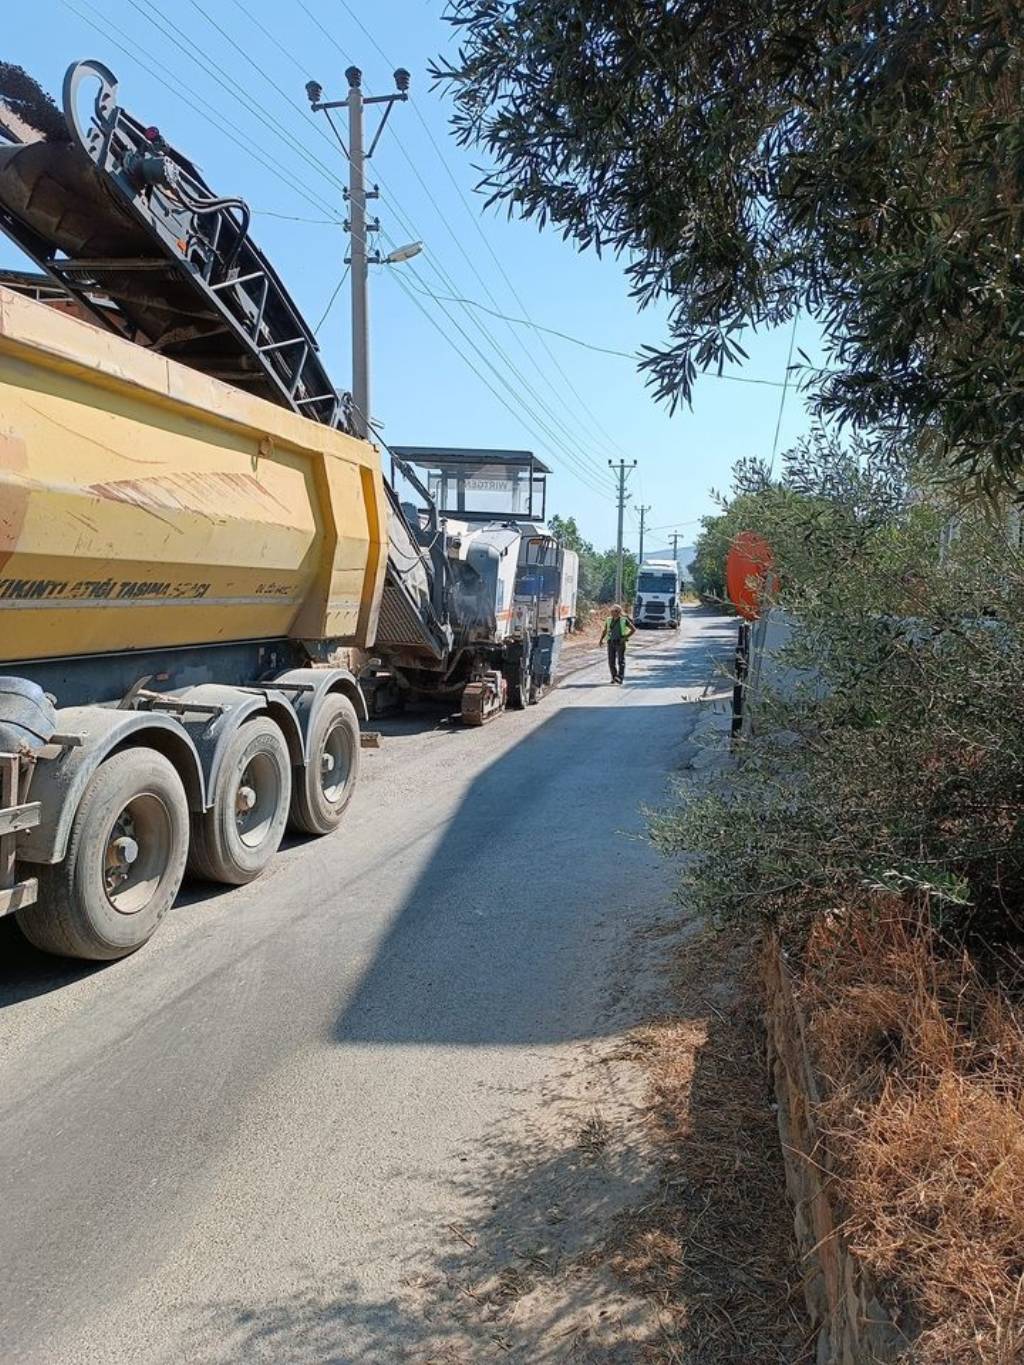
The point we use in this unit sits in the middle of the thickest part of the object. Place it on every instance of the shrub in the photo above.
(898, 762)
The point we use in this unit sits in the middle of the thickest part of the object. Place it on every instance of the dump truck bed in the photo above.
(144, 505)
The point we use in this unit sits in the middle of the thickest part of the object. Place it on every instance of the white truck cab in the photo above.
(657, 593)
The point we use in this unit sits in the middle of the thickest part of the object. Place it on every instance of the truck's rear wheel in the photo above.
(124, 862)
(332, 767)
(234, 840)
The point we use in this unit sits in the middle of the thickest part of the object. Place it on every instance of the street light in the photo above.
(402, 253)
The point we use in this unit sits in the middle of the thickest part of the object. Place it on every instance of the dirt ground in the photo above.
(643, 1219)
(588, 635)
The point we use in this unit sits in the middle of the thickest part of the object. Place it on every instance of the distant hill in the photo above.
(686, 553)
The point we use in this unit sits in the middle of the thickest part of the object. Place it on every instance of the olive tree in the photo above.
(862, 164)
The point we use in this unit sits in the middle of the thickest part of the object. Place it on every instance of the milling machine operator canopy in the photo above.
(482, 485)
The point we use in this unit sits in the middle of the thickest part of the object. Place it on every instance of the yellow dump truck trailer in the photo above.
(175, 557)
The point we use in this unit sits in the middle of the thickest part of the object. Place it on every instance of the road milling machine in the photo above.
(512, 587)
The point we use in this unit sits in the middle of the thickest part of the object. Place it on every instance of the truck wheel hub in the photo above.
(137, 853)
(125, 850)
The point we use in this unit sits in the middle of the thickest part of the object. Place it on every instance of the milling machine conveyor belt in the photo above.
(113, 210)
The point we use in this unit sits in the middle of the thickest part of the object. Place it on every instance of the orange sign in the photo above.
(748, 573)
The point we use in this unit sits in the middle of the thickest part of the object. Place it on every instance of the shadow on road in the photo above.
(673, 665)
(416, 718)
(25, 972)
(545, 855)
(518, 1277)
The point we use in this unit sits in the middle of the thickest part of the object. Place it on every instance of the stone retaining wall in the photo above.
(853, 1327)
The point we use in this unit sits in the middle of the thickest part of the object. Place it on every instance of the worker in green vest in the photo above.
(617, 630)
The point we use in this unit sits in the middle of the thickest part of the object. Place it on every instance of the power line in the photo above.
(303, 70)
(249, 106)
(330, 305)
(326, 32)
(603, 350)
(254, 19)
(535, 398)
(226, 82)
(475, 220)
(583, 470)
(564, 423)
(668, 526)
(295, 218)
(356, 19)
(587, 419)
(260, 71)
(466, 359)
(552, 443)
(785, 390)
(568, 440)
(551, 331)
(581, 459)
(577, 456)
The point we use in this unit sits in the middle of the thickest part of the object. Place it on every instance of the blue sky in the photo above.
(234, 101)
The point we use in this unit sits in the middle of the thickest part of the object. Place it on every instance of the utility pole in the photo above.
(359, 258)
(357, 254)
(622, 467)
(675, 547)
(643, 513)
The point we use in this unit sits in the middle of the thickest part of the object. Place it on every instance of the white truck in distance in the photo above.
(657, 593)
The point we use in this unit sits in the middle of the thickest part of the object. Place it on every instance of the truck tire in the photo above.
(324, 787)
(124, 862)
(236, 838)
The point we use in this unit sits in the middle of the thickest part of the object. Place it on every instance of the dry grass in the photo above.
(714, 1248)
(923, 1069)
(589, 624)
(594, 1136)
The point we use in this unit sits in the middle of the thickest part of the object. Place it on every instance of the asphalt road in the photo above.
(242, 1142)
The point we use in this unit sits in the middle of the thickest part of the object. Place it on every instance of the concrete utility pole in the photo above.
(675, 546)
(360, 259)
(622, 467)
(643, 513)
(357, 254)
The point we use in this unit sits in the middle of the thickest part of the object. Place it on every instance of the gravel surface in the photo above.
(252, 1140)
